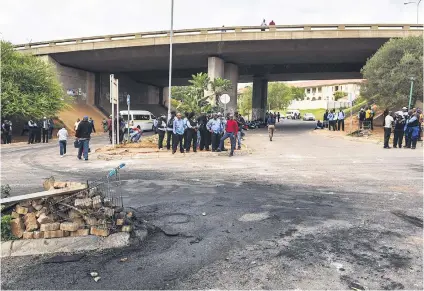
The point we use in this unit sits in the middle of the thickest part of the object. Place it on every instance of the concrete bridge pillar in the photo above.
(259, 98)
(215, 70)
(231, 73)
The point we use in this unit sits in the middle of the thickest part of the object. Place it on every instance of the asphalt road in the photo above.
(303, 211)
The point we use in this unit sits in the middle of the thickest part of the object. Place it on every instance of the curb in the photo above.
(31, 247)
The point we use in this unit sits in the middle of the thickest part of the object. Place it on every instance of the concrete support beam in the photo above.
(259, 98)
(215, 70)
(161, 95)
(231, 73)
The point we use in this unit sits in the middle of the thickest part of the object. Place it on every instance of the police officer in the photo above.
(161, 128)
(169, 129)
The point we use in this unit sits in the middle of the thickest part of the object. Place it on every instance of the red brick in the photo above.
(21, 210)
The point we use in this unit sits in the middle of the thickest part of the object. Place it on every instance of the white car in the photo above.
(139, 117)
(309, 117)
(292, 113)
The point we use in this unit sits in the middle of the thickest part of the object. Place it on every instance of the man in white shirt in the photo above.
(388, 123)
(341, 117)
(63, 138)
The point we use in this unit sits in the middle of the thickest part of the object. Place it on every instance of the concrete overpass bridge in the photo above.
(241, 54)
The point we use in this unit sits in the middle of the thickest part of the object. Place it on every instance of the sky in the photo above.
(23, 21)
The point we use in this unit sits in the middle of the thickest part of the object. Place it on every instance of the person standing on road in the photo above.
(83, 134)
(178, 130)
(388, 123)
(231, 130)
(340, 119)
(240, 122)
(263, 25)
(215, 128)
(330, 117)
(271, 126)
(92, 124)
(325, 118)
(161, 127)
(45, 129)
(278, 116)
(205, 135)
(63, 138)
(192, 128)
(169, 130)
(361, 117)
(412, 130)
(398, 131)
(31, 131)
(6, 128)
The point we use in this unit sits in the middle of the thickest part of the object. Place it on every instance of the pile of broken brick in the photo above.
(79, 214)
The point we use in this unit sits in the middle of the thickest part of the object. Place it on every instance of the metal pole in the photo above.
(113, 109)
(128, 121)
(418, 12)
(117, 112)
(171, 33)
(351, 113)
(410, 94)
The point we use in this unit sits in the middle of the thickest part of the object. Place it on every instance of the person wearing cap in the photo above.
(169, 131)
(83, 134)
(361, 117)
(161, 127)
(45, 130)
(205, 135)
(191, 131)
(388, 123)
(398, 131)
(231, 129)
(215, 128)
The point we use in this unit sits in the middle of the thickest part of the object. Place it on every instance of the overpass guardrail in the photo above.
(214, 30)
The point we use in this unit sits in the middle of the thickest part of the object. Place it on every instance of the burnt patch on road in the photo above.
(410, 219)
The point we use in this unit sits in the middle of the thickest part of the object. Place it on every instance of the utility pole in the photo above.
(410, 92)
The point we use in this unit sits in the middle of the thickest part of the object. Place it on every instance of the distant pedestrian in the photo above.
(272, 22)
(169, 130)
(178, 134)
(161, 126)
(340, 120)
(263, 24)
(271, 126)
(388, 123)
(278, 116)
(325, 118)
(83, 134)
(92, 124)
(215, 127)
(45, 129)
(6, 129)
(398, 131)
(63, 139)
(31, 131)
(412, 130)
(361, 117)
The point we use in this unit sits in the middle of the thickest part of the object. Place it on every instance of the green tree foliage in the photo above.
(280, 95)
(244, 101)
(339, 94)
(389, 70)
(29, 85)
(192, 98)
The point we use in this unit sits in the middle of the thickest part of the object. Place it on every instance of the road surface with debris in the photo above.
(303, 211)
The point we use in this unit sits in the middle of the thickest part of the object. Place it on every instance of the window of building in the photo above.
(307, 98)
(314, 90)
(308, 90)
(319, 98)
(336, 88)
(313, 99)
(319, 89)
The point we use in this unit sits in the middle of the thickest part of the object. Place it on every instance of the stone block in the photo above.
(80, 232)
(48, 183)
(130, 214)
(90, 220)
(74, 214)
(17, 227)
(30, 222)
(108, 211)
(21, 210)
(126, 228)
(26, 203)
(99, 231)
(14, 214)
(83, 203)
(120, 221)
(50, 226)
(41, 211)
(38, 234)
(97, 202)
(28, 235)
(44, 218)
(79, 221)
(69, 226)
(60, 185)
(54, 233)
(36, 206)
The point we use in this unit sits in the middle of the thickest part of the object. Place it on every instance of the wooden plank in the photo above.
(76, 187)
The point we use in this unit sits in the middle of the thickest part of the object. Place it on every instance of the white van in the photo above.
(139, 117)
(291, 113)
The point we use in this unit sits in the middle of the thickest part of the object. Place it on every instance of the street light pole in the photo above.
(418, 8)
(171, 32)
(410, 93)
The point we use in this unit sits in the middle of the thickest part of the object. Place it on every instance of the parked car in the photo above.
(139, 117)
(309, 117)
(293, 114)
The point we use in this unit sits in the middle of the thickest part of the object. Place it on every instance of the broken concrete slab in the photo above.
(63, 245)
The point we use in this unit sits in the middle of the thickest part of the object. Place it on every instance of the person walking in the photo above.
(178, 134)
(92, 124)
(31, 131)
(398, 131)
(231, 130)
(63, 139)
(169, 131)
(340, 120)
(215, 128)
(83, 134)
(388, 123)
(271, 126)
(45, 130)
(361, 118)
(161, 127)
(278, 117)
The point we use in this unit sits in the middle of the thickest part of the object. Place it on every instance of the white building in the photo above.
(320, 94)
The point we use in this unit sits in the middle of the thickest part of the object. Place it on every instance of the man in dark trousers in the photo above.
(231, 129)
(205, 135)
(388, 123)
(192, 128)
(83, 134)
(45, 129)
(340, 120)
(38, 130)
(178, 130)
(161, 128)
(169, 129)
(31, 131)
(398, 131)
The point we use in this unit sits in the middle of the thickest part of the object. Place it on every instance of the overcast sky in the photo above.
(22, 21)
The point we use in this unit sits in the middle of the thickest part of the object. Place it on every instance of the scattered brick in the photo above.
(36, 206)
(17, 227)
(99, 231)
(41, 211)
(127, 228)
(120, 221)
(97, 202)
(54, 233)
(80, 232)
(69, 226)
(50, 226)
(30, 222)
(44, 218)
(90, 220)
(38, 234)
(79, 221)
(14, 214)
(83, 203)
(21, 210)
(28, 235)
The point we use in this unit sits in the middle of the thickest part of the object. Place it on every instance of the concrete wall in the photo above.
(327, 92)
(140, 93)
(74, 80)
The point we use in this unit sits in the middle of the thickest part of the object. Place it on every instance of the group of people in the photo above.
(277, 115)
(366, 118)
(39, 130)
(6, 131)
(206, 132)
(332, 120)
(404, 123)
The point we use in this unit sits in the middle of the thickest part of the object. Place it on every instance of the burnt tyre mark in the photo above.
(411, 219)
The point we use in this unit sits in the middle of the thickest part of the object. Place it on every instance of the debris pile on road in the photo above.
(90, 211)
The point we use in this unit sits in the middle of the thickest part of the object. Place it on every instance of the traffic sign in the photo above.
(224, 98)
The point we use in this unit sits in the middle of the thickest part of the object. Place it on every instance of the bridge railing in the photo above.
(214, 30)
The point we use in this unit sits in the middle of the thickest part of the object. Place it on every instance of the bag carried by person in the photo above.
(77, 144)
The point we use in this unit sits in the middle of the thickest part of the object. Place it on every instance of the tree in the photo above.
(244, 101)
(339, 94)
(29, 85)
(389, 70)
